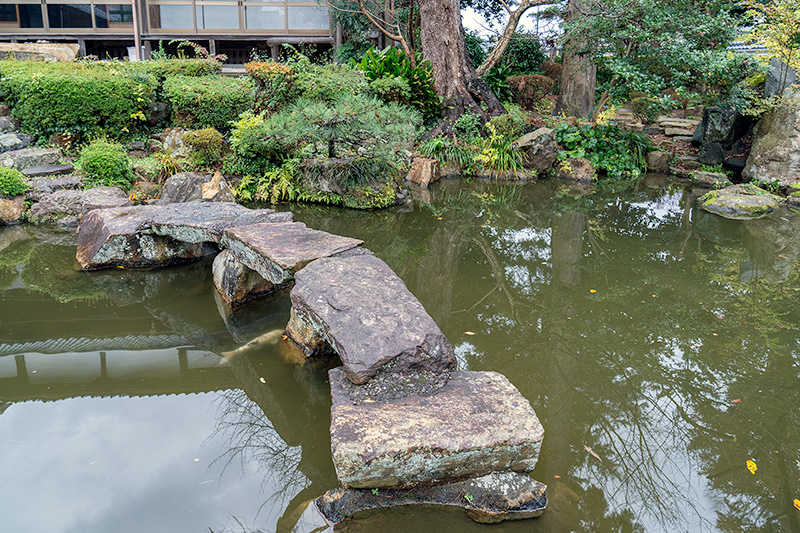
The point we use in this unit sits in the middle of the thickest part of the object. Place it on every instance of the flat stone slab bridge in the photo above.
(406, 426)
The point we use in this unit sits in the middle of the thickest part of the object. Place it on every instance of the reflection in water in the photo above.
(658, 344)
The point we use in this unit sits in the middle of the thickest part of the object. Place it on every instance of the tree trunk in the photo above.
(578, 73)
(460, 87)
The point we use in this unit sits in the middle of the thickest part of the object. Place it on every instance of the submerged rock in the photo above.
(475, 424)
(357, 307)
(740, 202)
(156, 235)
(487, 499)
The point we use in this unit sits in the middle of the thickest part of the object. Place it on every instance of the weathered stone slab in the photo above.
(41, 187)
(488, 499)
(9, 124)
(14, 141)
(359, 308)
(48, 170)
(476, 424)
(39, 51)
(672, 132)
(30, 157)
(278, 251)
(160, 235)
(66, 203)
(236, 283)
(740, 202)
(188, 187)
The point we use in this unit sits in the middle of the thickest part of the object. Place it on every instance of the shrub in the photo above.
(205, 146)
(12, 182)
(524, 54)
(391, 89)
(163, 68)
(328, 83)
(511, 125)
(106, 163)
(476, 47)
(256, 146)
(76, 99)
(392, 62)
(274, 82)
(620, 154)
(212, 102)
(528, 90)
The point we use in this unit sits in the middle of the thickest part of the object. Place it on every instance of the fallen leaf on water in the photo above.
(592, 291)
(737, 400)
(369, 400)
(469, 333)
(751, 466)
(797, 504)
(120, 266)
(591, 451)
(559, 477)
(782, 256)
(262, 380)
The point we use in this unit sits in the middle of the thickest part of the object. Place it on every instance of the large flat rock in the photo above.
(488, 499)
(278, 251)
(156, 235)
(30, 157)
(65, 201)
(740, 202)
(358, 307)
(476, 424)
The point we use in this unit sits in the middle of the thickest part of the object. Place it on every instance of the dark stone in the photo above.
(487, 499)
(41, 187)
(736, 164)
(15, 141)
(136, 146)
(158, 113)
(711, 154)
(539, 149)
(278, 251)
(654, 130)
(156, 235)
(476, 424)
(740, 202)
(658, 161)
(724, 125)
(577, 169)
(697, 136)
(65, 202)
(8, 124)
(48, 170)
(189, 187)
(712, 180)
(359, 308)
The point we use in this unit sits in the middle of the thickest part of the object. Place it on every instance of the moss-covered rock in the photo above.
(740, 202)
(776, 146)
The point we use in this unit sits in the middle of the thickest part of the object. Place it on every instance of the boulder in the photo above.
(30, 157)
(740, 202)
(357, 307)
(41, 187)
(712, 180)
(278, 251)
(62, 203)
(487, 499)
(14, 141)
(658, 161)
(475, 424)
(188, 187)
(160, 235)
(775, 155)
(723, 135)
(236, 283)
(40, 51)
(11, 210)
(9, 124)
(539, 149)
(688, 161)
(4, 110)
(48, 170)
(423, 171)
(576, 169)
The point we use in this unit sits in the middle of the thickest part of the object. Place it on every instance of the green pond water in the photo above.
(657, 343)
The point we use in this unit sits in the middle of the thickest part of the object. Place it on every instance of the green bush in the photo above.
(75, 98)
(476, 47)
(524, 54)
(163, 68)
(274, 81)
(327, 83)
(391, 89)
(211, 102)
(619, 153)
(106, 163)
(12, 182)
(392, 62)
(205, 147)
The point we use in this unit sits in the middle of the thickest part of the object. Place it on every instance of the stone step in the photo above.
(670, 122)
(160, 235)
(672, 132)
(357, 307)
(48, 170)
(473, 425)
(30, 157)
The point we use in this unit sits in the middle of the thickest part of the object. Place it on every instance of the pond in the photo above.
(657, 343)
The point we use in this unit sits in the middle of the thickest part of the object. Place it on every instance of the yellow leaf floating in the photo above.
(592, 291)
(751, 466)
(469, 333)
(797, 504)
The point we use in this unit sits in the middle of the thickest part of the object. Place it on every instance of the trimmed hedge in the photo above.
(208, 102)
(76, 98)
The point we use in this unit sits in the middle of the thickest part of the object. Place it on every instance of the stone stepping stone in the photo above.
(475, 424)
(61, 203)
(487, 499)
(740, 202)
(160, 235)
(30, 157)
(278, 251)
(48, 170)
(358, 308)
(678, 132)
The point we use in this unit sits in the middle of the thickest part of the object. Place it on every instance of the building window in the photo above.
(113, 15)
(267, 17)
(175, 17)
(8, 13)
(69, 15)
(217, 17)
(308, 18)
